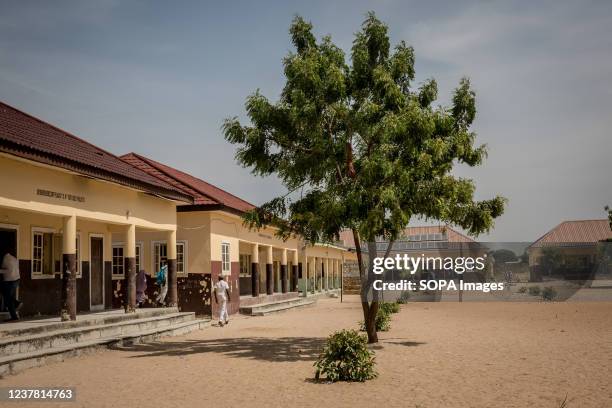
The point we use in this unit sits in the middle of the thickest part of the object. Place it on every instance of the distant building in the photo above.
(571, 250)
(429, 241)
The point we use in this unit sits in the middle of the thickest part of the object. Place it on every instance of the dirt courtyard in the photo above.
(435, 355)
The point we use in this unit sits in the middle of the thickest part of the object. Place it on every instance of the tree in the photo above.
(503, 255)
(552, 259)
(609, 210)
(359, 148)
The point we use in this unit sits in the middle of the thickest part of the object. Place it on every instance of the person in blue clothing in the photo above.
(162, 281)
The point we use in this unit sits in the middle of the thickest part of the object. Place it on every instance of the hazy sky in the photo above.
(158, 78)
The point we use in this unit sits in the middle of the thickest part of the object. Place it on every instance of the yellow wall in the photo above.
(328, 251)
(27, 221)
(226, 227)
(105, 202)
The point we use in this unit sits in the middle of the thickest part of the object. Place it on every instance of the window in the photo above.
(58, 254)
(118, 263)
(245, 265)
(160, 256)
(225, 258)
(180, 257)
(138, 257)
(42, 253)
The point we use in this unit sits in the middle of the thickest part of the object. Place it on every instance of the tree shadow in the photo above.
(395, 342)
(283, 349)
(402, 342)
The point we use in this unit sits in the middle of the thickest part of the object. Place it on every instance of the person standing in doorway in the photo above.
(222, 296)
(10, 283)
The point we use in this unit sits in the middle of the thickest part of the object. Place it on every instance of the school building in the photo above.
(212, 241)
(61, 201)
(82, 222)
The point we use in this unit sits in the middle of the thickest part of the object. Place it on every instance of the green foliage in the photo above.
(609, 210)
(549, 293)
(365, 148)
(551, 259)
(534, 290)
(346, 357)
(503, 255)
(383, 320)
(390, 307)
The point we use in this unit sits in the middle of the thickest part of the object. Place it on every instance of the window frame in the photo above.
(165, 243)
(247, 264)
(114, 275)
(41, 231)
(184, 245)
(224, 271)
(138, 257)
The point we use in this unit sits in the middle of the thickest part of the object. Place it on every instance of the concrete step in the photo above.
(18, 362)
(66, 336)
(264, 309)
(32, 326)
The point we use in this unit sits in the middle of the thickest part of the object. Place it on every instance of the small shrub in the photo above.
(534, 290)
(522, 289)
(346, 357)
(549, 293)
(390, 307)
(404, 297)
(383, 321)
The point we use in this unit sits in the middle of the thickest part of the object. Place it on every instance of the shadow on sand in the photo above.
(273, 349)
(256, 348)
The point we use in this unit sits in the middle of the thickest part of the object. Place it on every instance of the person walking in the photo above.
(162, 281)
(222, 296)
(10, 283)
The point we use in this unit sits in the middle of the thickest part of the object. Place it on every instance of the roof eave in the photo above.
(29, 153)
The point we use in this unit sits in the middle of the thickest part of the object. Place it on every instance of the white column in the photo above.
(327, 273)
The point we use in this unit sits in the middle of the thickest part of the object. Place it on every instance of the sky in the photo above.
(158, 78)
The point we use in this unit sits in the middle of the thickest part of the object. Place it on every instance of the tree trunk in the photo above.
(369, 317)
(370, 309)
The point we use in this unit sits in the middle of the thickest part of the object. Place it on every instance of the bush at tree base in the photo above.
(383, 321)
(346, 357)
(549, 293)
(390, 307)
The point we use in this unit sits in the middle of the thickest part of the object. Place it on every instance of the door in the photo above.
(8, 244)
(96, 273)
(277, 282)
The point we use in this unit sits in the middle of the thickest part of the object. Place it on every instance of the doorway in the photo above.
(96, 273)
(276, 277)
(8, 241)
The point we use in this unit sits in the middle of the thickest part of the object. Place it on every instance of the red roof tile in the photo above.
(31, 138)
(576, 232)
(203, 193)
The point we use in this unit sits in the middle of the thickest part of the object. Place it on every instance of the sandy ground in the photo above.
(435, 355)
